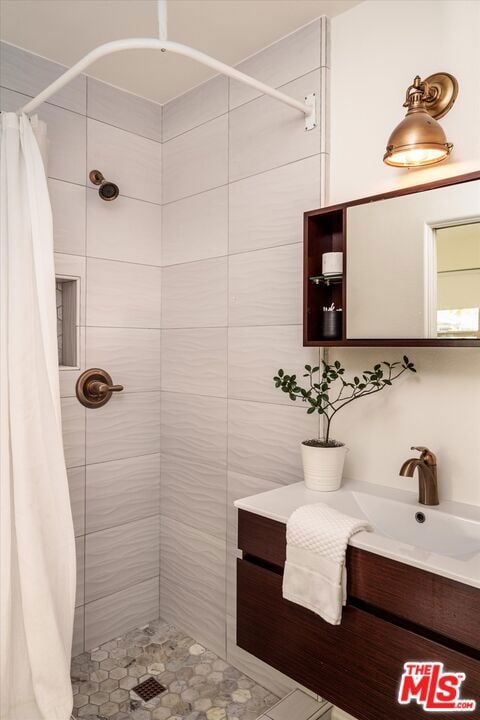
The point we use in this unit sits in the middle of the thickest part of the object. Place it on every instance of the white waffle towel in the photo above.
(315, 574)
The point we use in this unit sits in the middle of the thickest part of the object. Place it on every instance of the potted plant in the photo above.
(323, 458)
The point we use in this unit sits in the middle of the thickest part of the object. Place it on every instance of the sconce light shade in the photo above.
(419, 139)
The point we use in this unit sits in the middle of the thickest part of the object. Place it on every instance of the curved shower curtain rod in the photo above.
(307, 108)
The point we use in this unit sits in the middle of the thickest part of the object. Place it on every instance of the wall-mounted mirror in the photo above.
(411, 267)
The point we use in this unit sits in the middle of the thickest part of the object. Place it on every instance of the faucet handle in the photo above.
(425, 454)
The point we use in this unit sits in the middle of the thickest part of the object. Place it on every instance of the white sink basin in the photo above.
(447, 542)
(440, 532)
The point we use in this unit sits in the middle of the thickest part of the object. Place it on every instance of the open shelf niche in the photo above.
(324, 232)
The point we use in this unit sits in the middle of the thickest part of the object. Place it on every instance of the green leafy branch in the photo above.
(333, 392)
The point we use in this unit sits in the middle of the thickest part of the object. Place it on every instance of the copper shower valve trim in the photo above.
(94, 388)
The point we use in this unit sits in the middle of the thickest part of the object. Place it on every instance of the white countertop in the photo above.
(452, 527)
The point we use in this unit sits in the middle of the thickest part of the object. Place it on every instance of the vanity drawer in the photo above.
(261, 537)
(443, 606)
(437, 604)
(356, 665)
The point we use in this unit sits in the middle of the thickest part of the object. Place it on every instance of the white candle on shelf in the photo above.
(332, 263)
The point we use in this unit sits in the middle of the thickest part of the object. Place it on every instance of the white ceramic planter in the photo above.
(323, 466)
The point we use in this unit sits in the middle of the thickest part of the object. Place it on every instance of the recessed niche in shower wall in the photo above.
(66, 297)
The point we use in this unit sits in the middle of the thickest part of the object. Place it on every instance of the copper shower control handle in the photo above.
(98, 388)
(94, 388)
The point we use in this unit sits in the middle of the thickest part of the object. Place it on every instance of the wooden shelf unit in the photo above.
(325, 230)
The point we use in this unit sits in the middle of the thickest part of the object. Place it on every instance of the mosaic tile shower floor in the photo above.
(199, 685)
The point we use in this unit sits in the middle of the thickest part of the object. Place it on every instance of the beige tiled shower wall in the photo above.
(239, 170)
(207, 287)
(113, 453)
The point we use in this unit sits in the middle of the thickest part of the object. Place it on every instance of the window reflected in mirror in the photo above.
(458, 281)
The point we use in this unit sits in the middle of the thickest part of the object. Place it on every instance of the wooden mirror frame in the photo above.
(325, 231)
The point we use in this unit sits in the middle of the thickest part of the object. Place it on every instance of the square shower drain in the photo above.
(148, 689)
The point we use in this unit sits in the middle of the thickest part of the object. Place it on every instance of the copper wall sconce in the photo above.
(108, 190)
(94, 388)
(419, 139)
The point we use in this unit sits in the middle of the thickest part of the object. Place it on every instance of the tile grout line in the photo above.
(162, 245)
(234, 398)
(240, 179)
(196, 194)
(117, 592)
(203, 464)
(195, 127)
(227, 255)
(115, 526)
(192, 195)
(122, 129)
(93, 189)
(229, 110)
(117, 459)
(323, 146)
(227, 428)
(181, 327)
(187, 523)
(117, 260)
(162, 140)
(325, 165)
(85, 353)
(85, 114)
(130, 93)
(119, 327)
(125, 393)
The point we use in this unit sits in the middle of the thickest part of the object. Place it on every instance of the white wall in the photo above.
(377, 48)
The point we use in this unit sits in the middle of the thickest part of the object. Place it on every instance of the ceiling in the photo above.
(230, 30)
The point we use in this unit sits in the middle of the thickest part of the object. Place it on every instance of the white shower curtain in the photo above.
(37, 546)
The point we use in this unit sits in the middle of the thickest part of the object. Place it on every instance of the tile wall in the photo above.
(113, 453)
(208, 287)
(238, 172)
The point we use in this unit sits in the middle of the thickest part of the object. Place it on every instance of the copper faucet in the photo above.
(427, 475)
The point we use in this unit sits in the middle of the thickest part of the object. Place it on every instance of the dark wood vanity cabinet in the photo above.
(394, 614)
